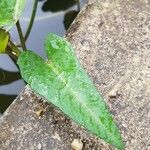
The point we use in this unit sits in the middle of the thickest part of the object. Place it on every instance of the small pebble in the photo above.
(112, 94)
(77, 144)
(56, 136)
(39, 146)
(39, 112)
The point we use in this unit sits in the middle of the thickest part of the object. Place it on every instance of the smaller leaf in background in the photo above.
(4, 37)
(10, 11)
(5, 101)
(69, 17)
(7, 77)
(57, 5)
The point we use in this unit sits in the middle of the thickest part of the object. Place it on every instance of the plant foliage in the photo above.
(10, 11)
(4, 37)
(63, 82)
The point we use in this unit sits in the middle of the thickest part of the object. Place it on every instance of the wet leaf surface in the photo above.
(63, 82)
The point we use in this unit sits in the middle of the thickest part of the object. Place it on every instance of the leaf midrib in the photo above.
(50, 64)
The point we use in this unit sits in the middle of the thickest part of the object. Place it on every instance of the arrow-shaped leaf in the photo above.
(63, 82)
(10, 11)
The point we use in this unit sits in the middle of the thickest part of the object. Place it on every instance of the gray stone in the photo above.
(112, 42)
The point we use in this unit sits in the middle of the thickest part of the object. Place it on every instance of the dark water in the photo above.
(49, 18)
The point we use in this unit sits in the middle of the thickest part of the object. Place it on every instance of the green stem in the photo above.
(12, 50)
(22, 40)
(31, 20)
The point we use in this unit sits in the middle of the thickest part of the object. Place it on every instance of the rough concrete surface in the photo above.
(112, 41)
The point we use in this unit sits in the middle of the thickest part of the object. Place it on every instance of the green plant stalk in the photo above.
(12, 50)
(22, 40)
(31, 20)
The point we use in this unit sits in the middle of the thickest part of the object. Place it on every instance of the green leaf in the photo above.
(63, 82)
(4, 37)
(10, 11)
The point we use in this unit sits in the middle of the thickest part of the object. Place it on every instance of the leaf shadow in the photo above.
(5, 101)
(69, 17)
(57, 5)
(7, 77)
